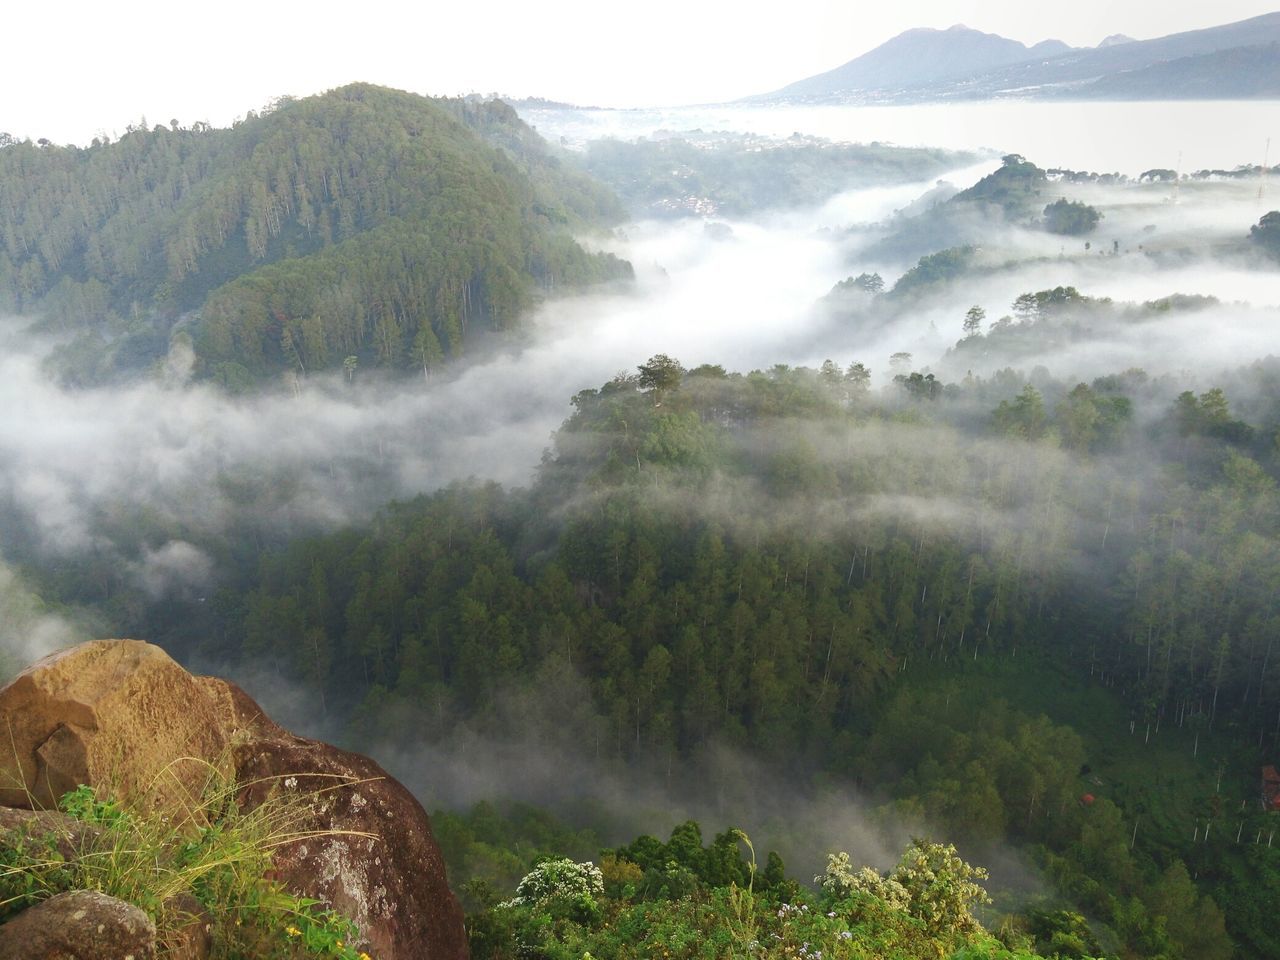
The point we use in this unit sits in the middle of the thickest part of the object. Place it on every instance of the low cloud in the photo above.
(28, 631)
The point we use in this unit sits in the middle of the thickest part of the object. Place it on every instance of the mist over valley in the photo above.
(858, 477)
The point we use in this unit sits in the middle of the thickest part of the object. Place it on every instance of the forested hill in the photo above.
(1027, 611)
(364, 222)
(829, 578)
(751, 555)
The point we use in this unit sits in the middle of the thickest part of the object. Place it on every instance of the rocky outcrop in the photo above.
(117, 714)
(81, 925)
(383, 869)
(123, 717)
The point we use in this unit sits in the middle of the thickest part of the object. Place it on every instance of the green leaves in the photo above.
(83, 804)
(221, 857)
(1070, 217)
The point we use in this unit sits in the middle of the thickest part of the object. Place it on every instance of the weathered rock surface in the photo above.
(122, 716)
(193, 940)
(80, 925)
(68, 834)
(118, 714)
(379, 880)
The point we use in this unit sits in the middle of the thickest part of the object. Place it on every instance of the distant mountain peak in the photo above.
(918, 57)
(1051, 48)
(958, 62)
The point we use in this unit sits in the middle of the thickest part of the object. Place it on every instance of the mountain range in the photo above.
(1233, 60)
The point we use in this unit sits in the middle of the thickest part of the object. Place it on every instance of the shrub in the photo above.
(930, 882)
(220, 856)
(561, 886)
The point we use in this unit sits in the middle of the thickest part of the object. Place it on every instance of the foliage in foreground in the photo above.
(921, 911)
(221, 858)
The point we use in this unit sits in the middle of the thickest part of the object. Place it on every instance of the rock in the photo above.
(68, 834)
(123, 717)
(79, 716)
(392, 883)
(193, 937)
(80, 925)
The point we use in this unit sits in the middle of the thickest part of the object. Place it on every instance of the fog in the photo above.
(546, 738)
(336, 452)
(1100, 136)
(146, 473)
(172, 462)
(542, 745)
(28, 630)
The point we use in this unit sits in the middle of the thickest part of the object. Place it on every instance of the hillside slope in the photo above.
(1094, 68)
(364, 222)
(1237, 72)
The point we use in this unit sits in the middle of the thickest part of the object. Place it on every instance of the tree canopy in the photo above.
(363, 221)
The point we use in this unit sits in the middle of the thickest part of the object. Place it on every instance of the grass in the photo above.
(216, 856)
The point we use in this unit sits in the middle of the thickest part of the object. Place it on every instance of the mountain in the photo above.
(1049, 48)
(920, 57)
(1239, 72)
(364, 222)
(931, 65)
(1088, 73)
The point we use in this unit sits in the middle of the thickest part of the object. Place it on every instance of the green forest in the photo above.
(1037, 614)
(743, 175)
(940, 657)
(364, 223)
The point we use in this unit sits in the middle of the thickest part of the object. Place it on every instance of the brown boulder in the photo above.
(383, 869)
(80, 925)
(121, 716)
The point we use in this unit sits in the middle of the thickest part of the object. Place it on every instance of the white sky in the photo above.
(77, 68)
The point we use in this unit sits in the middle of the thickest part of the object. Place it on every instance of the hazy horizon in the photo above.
(569, 50)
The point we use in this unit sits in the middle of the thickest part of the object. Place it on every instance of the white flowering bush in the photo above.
(942, 886)
(931, 882)
(560, 882)
(841, 881)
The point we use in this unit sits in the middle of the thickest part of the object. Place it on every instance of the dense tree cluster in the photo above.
(1070, 218)
(738, 175)
(934, 269)
(364, 222)
(738, 555)
(1014, 193)
(1044, 322)
(771, 560)
(1266, 232)
(1014, 188)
